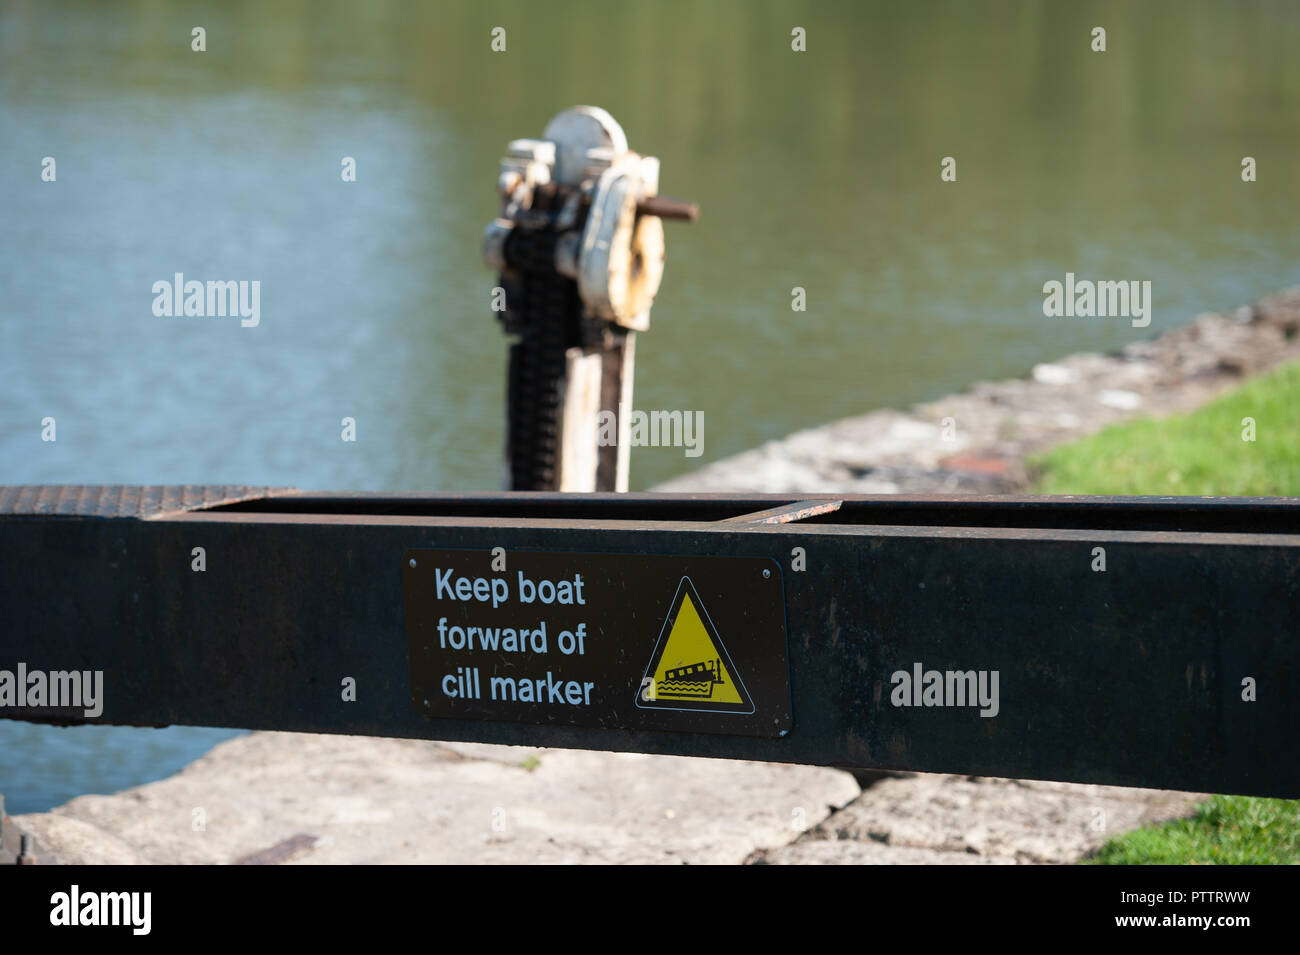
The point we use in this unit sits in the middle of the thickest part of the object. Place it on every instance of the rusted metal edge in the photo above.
(787, 513)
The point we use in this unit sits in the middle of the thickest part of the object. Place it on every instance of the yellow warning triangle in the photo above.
(690, 668)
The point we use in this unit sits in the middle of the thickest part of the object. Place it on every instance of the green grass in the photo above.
(1226, 830)
(1199, 453)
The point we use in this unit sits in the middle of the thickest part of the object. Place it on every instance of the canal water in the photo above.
(819, 170)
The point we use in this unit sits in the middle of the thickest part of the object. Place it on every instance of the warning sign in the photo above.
(679, 643)
(690, 668)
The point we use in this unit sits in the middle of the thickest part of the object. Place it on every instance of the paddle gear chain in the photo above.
(579, 248)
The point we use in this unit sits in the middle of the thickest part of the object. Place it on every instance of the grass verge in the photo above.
(1203, 452)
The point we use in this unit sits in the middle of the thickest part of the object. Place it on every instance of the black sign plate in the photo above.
(610, 641)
